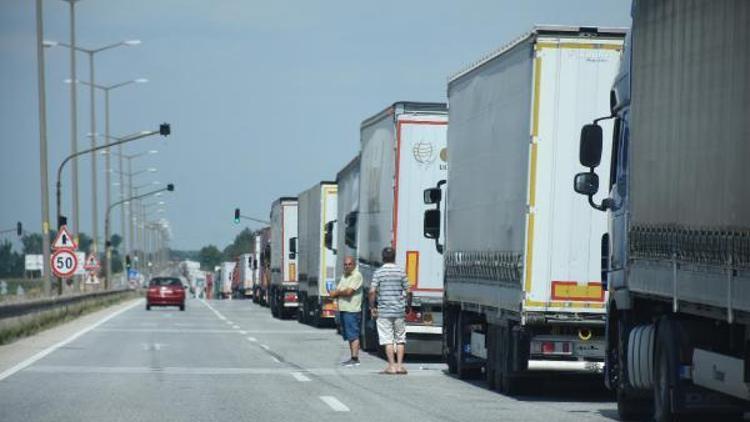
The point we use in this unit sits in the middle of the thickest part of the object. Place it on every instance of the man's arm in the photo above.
(371, 299)
(407, 290)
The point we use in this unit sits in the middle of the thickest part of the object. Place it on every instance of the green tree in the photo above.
(32, 244)
(11, 263)
(115, 240)
(84, 242)
(210, 256)
(243, 243)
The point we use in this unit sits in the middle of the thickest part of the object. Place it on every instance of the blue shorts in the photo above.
(350, 323)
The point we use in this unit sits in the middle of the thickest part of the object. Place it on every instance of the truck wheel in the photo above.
(301, 309)
(365, 341)
(511, 383)
(463, 369)
(666, 367)
(316, 315)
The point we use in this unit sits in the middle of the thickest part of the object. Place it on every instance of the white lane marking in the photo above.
(236, 327)
(270, 370)
(275, 359)
(218, 314)
(243, 332)
(334, 403)
(265, 346)
(253, 339)
(30, 361)
(300, 377)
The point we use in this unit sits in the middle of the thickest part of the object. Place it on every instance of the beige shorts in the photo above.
(391, 330)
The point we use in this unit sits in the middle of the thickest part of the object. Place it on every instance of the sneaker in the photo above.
(350, 363)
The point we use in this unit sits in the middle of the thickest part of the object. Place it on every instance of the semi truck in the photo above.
(283, 289)
(263, 240)
(256, 266)
(245, 275)
(523, 292)
(223, 279)
(402, 153)
(676, 256)
(347, 180)
(317, 264)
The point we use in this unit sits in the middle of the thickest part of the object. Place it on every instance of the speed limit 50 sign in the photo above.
(64, 263)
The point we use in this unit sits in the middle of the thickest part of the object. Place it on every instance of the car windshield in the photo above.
(166, 281)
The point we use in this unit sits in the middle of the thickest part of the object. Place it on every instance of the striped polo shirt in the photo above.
(391, 285)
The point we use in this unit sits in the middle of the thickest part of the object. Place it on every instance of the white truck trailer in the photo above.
(245, 275)
(317, 264)
(347, 180)
(522, 278)
(677, 253)
(283, 289)
(224, 279)
(403, 153)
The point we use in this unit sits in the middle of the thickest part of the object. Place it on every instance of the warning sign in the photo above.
(92, 264)
(64, 240)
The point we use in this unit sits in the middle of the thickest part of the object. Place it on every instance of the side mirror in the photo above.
(586, 183)
(433, 196)
(432, 224)
(292, 248)
(590, 152)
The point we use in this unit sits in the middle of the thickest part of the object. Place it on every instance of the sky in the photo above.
(264, 98)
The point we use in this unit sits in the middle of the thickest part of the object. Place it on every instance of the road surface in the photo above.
(231, 361)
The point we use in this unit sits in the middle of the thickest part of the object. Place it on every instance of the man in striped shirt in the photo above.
(391, 288)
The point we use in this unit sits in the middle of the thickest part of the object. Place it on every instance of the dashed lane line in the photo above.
(300, 377)
(334, 404)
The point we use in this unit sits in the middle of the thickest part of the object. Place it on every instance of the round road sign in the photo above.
(64, 263)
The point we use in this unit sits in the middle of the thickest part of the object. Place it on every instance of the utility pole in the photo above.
(43, 148)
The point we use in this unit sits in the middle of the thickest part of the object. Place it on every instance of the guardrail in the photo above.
(24, 318)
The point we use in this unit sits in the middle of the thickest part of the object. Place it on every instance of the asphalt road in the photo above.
(230, 361)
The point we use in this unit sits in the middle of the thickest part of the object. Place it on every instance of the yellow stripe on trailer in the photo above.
(579, 46)
(563, 305)
(532, 173)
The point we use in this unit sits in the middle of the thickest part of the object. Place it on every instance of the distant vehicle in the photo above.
(283, 289)
(263, 283)
(676, 258)
(403, 153)
(165, 291)
(317, 263)
(223, 279)
(522, 278)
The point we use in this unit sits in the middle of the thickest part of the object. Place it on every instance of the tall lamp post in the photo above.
(91, 52)
(107, 137)
(123, 173)
(108, 244)
(43, 148)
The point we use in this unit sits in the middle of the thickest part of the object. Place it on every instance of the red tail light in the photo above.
(290, 297)
(548, 347)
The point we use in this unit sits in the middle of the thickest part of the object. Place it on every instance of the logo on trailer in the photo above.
(424, 152)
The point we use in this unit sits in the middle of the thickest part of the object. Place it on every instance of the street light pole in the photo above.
(108, 244)
(43, 148)
(94, 191)
(74, 118)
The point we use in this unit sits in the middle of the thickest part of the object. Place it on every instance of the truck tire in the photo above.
(301, 309)
(630, 407)
(367, 342)
(511, 383)
(666, 370)
(316, 320)
(463, 369)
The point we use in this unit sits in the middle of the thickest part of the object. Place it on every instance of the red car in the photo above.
(165, 291)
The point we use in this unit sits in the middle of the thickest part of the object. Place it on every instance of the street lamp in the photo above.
(108, 243)
(91, 52)
(107, 137)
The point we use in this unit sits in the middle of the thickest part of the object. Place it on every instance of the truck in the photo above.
(245, 275)
(523, 296)
(676, 255)
(317, 264)
(402, 151)
(283, 289)
(345, 244)
(263, 244)
(223, 279)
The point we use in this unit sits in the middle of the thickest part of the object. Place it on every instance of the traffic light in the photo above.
(170, 187)
(19, 229)
(164, 129)
(127, 261)
(236, 216)
(62, 221)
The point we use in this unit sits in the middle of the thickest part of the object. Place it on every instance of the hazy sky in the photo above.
(264, 98)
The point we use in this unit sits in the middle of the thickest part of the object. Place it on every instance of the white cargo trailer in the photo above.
(345, 243)
(677, 254)
(521, 251)
(403, 153)
(245, 274)
(317, 264)
(255, 271)
(224, 279)
(283, 289)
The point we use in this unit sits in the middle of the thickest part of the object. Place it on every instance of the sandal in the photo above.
(402, 371)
